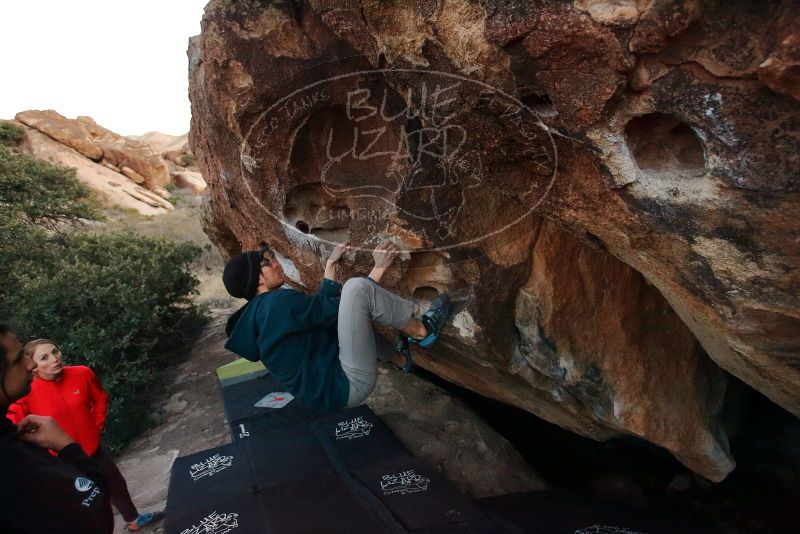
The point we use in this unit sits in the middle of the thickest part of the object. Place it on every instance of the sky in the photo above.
(123, 63)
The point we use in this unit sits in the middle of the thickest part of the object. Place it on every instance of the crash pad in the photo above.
(289, 469)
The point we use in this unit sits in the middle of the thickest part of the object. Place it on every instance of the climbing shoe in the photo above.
(401, 345)
(147, 518)
(434, 320)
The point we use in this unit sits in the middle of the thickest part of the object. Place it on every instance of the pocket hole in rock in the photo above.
(312, 211)
(429, 275)
(661, 143)
(541, 104)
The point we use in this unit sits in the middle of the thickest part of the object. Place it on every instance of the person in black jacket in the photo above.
(41, 493)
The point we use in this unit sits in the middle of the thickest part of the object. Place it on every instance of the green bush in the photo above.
(187, 160)
(121, 304)
(41, 193)
(10, 134)
(36, 199)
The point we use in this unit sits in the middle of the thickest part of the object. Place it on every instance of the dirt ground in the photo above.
(191, 416)
(192, 420)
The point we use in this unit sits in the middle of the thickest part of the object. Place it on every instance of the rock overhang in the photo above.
(664, 242)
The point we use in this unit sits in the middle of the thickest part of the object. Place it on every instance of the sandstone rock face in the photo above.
(781, 70)
(174, 150)
(443, 432)
(609, 190)
(97, 143)
(134, 169)
(189, 180)
(113, 187)
(63, 130)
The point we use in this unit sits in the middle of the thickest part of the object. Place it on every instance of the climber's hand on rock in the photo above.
(384, 254)
(338, 252)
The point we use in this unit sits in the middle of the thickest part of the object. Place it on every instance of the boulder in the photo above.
(608, 190)
(173, 148)
(124, 152)
(441, 431)
(113, 167)
(144, 166)
(161, 191)
(130, 173)
(189, 180)
(113, 188)
(63, 130)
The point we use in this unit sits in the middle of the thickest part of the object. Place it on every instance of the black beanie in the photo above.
(241, 274)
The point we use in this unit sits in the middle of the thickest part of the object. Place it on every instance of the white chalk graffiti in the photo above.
(605, 529)
(210, 466)
(214, 523)
(407, 151)
(403, 483)
(353, 428)
(430, 157)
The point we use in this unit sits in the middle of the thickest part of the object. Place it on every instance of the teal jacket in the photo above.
(294, 335)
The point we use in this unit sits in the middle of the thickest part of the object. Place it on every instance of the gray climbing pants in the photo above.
(360, 345)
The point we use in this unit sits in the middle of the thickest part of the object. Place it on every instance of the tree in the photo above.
(10, 133)
(37, 192)
(120, 304)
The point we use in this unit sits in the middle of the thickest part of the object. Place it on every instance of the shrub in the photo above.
(36, 198)
(187, 160)
(121, 305)
(41, 193)
(118, 303)
(10, 134)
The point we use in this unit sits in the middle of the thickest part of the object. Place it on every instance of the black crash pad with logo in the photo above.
(211, 476)
(416, 494)
(240, 403)
(291, 470)
(360, 437)
(239, 515)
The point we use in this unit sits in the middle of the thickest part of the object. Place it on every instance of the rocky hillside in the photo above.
(610, 189)
(128, 172)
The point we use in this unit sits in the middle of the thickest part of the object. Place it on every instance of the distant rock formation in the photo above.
(609, 189)
(126, 171)
(113, 187)
(180, 161)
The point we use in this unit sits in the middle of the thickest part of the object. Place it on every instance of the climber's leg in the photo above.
(364, 301)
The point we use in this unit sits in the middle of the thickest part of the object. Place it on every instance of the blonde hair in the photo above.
(30, 346)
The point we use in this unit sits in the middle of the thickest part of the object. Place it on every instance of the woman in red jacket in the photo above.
(73, 396)
(59, 493)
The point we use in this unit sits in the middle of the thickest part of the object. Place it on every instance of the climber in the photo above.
(323, 348)
(41, 492)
